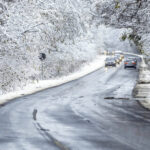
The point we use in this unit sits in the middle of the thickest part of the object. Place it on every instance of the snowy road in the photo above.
(96, 112)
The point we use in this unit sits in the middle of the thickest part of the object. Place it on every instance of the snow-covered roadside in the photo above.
(41, 85)
(142, 88)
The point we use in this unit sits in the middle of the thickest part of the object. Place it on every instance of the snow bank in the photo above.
(41, 85)
(142, 89)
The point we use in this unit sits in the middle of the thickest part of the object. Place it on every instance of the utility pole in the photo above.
(42, 71)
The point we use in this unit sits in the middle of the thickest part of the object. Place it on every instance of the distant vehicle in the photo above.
(118, 58)
(122, 56)
(110, 52)
(130, 63)
(110, 61)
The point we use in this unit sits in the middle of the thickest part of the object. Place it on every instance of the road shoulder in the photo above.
(45, 84)
(142, 89)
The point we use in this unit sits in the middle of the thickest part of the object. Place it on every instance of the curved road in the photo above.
(96, 112)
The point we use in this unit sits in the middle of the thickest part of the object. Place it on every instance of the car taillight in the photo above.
(133, 62)
(125, 63)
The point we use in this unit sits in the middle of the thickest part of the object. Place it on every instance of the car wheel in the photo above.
(124, 67)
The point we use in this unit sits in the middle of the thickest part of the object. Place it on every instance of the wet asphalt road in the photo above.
(96, 112)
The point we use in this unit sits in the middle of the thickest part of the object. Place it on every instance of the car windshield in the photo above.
(130, 59)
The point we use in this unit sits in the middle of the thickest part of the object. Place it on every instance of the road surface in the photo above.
(96, 112)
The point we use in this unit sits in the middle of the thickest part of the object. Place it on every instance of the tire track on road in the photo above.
(44, 132)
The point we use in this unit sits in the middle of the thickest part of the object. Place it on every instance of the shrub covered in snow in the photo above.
(59, 28)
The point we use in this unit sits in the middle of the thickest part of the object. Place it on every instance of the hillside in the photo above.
(67, 31)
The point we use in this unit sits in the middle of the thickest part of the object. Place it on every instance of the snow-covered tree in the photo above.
(55, 27)
(133, 14)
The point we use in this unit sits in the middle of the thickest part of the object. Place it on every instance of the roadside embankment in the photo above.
(45, 84)
(142, 89)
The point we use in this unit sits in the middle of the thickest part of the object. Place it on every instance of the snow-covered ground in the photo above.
(142, 88)
(41, 85)
(65, 31)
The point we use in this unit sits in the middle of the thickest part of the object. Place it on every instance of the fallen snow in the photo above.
(142, 89)
(44, 84)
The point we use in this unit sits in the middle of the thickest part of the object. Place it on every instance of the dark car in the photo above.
(110, 62)
(130, 63)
